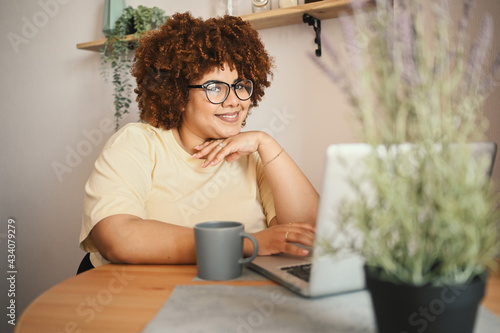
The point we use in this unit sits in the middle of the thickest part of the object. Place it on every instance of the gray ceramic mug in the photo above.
(219, 249)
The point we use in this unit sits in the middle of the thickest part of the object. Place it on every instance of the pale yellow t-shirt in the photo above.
(143, 171)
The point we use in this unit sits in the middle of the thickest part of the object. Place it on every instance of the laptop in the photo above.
(320, 273)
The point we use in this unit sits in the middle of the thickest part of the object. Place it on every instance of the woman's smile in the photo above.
(229, 117)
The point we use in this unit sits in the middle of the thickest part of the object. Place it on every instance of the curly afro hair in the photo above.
(185, 49)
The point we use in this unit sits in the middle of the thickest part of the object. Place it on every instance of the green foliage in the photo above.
(116, 51)
(433, 217)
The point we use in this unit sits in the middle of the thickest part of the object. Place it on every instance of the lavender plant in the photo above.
(416, 78)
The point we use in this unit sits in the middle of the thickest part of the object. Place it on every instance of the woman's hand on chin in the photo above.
(230, 149)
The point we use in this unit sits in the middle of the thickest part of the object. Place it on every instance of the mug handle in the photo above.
(255, 248)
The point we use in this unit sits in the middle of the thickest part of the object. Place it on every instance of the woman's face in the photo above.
(203, 120)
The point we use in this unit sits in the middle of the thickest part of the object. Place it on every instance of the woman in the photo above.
(189, 162)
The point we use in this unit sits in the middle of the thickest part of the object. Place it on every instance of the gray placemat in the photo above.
(487, 322)
(219, 308)
(246, 275)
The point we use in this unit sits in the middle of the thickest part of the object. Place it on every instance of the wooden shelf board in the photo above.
(96, 45)
(322, 10)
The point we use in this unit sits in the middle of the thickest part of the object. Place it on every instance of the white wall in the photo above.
(54, 103)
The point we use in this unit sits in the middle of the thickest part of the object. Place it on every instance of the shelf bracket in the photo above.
(316, 24)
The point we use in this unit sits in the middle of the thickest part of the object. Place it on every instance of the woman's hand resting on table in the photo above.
(278, 238)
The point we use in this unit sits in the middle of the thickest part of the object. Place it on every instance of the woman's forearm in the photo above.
(295, 199)
(129, 239)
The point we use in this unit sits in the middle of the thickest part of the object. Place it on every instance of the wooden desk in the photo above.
(124, 298)
(110, 298)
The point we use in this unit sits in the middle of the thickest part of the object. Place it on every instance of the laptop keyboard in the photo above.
(303, 272)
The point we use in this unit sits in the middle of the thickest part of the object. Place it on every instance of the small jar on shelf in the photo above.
(260, 5)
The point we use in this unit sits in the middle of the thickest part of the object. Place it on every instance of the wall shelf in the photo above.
(322, 10)
(325, 9)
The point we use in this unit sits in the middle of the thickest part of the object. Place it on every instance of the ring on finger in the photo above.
(220, 143)
(286, 236)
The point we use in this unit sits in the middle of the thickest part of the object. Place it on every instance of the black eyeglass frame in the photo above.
(205, 85)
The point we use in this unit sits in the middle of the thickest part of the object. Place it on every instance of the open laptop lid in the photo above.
(346, 162)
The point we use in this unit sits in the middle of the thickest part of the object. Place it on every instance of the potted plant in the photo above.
(430, 231)
(115, 52)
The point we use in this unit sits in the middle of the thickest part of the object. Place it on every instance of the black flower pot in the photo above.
(427, 309)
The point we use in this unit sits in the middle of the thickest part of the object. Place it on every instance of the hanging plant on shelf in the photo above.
(116, 50)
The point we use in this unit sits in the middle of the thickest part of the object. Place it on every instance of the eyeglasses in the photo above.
(217, 91)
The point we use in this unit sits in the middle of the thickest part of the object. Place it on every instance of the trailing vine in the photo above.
(116, 50)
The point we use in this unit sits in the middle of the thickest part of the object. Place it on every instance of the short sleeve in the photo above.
(120, 182)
